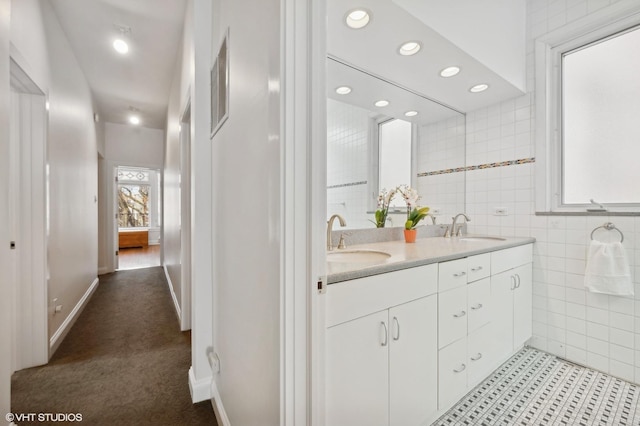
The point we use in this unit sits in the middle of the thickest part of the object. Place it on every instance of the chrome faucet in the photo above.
(453, 225)
(330, 227)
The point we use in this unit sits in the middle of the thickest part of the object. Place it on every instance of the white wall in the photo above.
(129, 145)
(247, 198)
(41, 49)
(5, 254)
(600, 331)
(175, 178)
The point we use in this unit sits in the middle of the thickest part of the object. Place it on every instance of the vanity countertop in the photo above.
(423, 252)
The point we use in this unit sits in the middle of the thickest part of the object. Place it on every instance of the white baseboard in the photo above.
(173, 294)
(218, 407)
(61, 332)
(200, 389)
(103, 270)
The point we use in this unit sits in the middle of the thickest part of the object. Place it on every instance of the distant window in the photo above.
(133, 205)
(394, 150)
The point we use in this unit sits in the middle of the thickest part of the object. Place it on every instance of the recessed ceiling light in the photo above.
(479, 88)
(121, 46)
(357, 18)
(409, 48)
(343, 90)
(134, 119)
(411, 113)
(381, 103)
(449, 72)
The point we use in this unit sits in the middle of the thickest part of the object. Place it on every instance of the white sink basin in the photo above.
(357, 256)
(471, 238)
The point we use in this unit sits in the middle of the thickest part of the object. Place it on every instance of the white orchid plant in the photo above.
(414, 213)
(384, 199)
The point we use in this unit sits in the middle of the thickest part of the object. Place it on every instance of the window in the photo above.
(394, 153)
(588, 101)
(133, 205)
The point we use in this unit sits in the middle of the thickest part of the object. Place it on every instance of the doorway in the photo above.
(28, 212)
(138, 217)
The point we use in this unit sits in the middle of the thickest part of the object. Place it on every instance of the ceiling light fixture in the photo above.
(357, 18)
(134, 119)
(381, 103)
(479, 88)
(121, 46)
(449, 72)
(409, 48)
(343, 90)
(411, 113)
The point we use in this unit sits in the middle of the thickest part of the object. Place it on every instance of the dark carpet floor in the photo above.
(124, 362)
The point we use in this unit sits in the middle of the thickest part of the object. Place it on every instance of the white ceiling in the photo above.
(374, 49)
(140, 79)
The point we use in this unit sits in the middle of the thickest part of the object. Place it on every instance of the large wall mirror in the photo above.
(409, 139)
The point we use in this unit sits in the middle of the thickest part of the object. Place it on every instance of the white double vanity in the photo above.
(414, 327)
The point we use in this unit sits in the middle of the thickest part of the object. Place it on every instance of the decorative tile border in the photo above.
(343, 185)
(480, 166)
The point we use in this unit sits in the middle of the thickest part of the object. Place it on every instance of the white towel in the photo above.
(608, 270)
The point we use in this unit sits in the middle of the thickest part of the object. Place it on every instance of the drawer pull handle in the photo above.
(476, 269)
(477, 357)
(460, 274)
(386, 334)
(478, 306)
(397, 336)
(460, 315)
(461, 369)
(513, 282)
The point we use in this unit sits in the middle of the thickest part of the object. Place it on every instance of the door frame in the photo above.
(29, 200)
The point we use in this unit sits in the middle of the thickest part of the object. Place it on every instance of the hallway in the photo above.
(124, 362)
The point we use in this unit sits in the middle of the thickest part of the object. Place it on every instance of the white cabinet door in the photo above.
(522, 305)
(357, 372)
(452, 316)
(502, 300)
(413, 366)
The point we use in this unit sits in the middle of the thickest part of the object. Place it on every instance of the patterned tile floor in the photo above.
(536, 388)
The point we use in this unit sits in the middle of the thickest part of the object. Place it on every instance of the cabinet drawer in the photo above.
(452, 373)
(478, 304)
(452, 316)
(480, 358)
(452, 274)
(478, 267)
(510, 258)
(356, 298)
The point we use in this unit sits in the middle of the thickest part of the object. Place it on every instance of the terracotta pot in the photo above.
(410, 235)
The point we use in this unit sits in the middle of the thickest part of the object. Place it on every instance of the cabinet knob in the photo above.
(460, 315)
(461, 369)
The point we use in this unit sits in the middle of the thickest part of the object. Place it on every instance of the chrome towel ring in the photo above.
(609, 227)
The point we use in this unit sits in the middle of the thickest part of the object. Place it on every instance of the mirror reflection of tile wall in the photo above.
(440, 166)
(348, 159)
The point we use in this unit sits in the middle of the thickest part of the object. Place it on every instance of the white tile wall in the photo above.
(348, 161)
(600, 331)
(441, 146)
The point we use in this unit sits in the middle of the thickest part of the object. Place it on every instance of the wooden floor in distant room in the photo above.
(138, 257)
